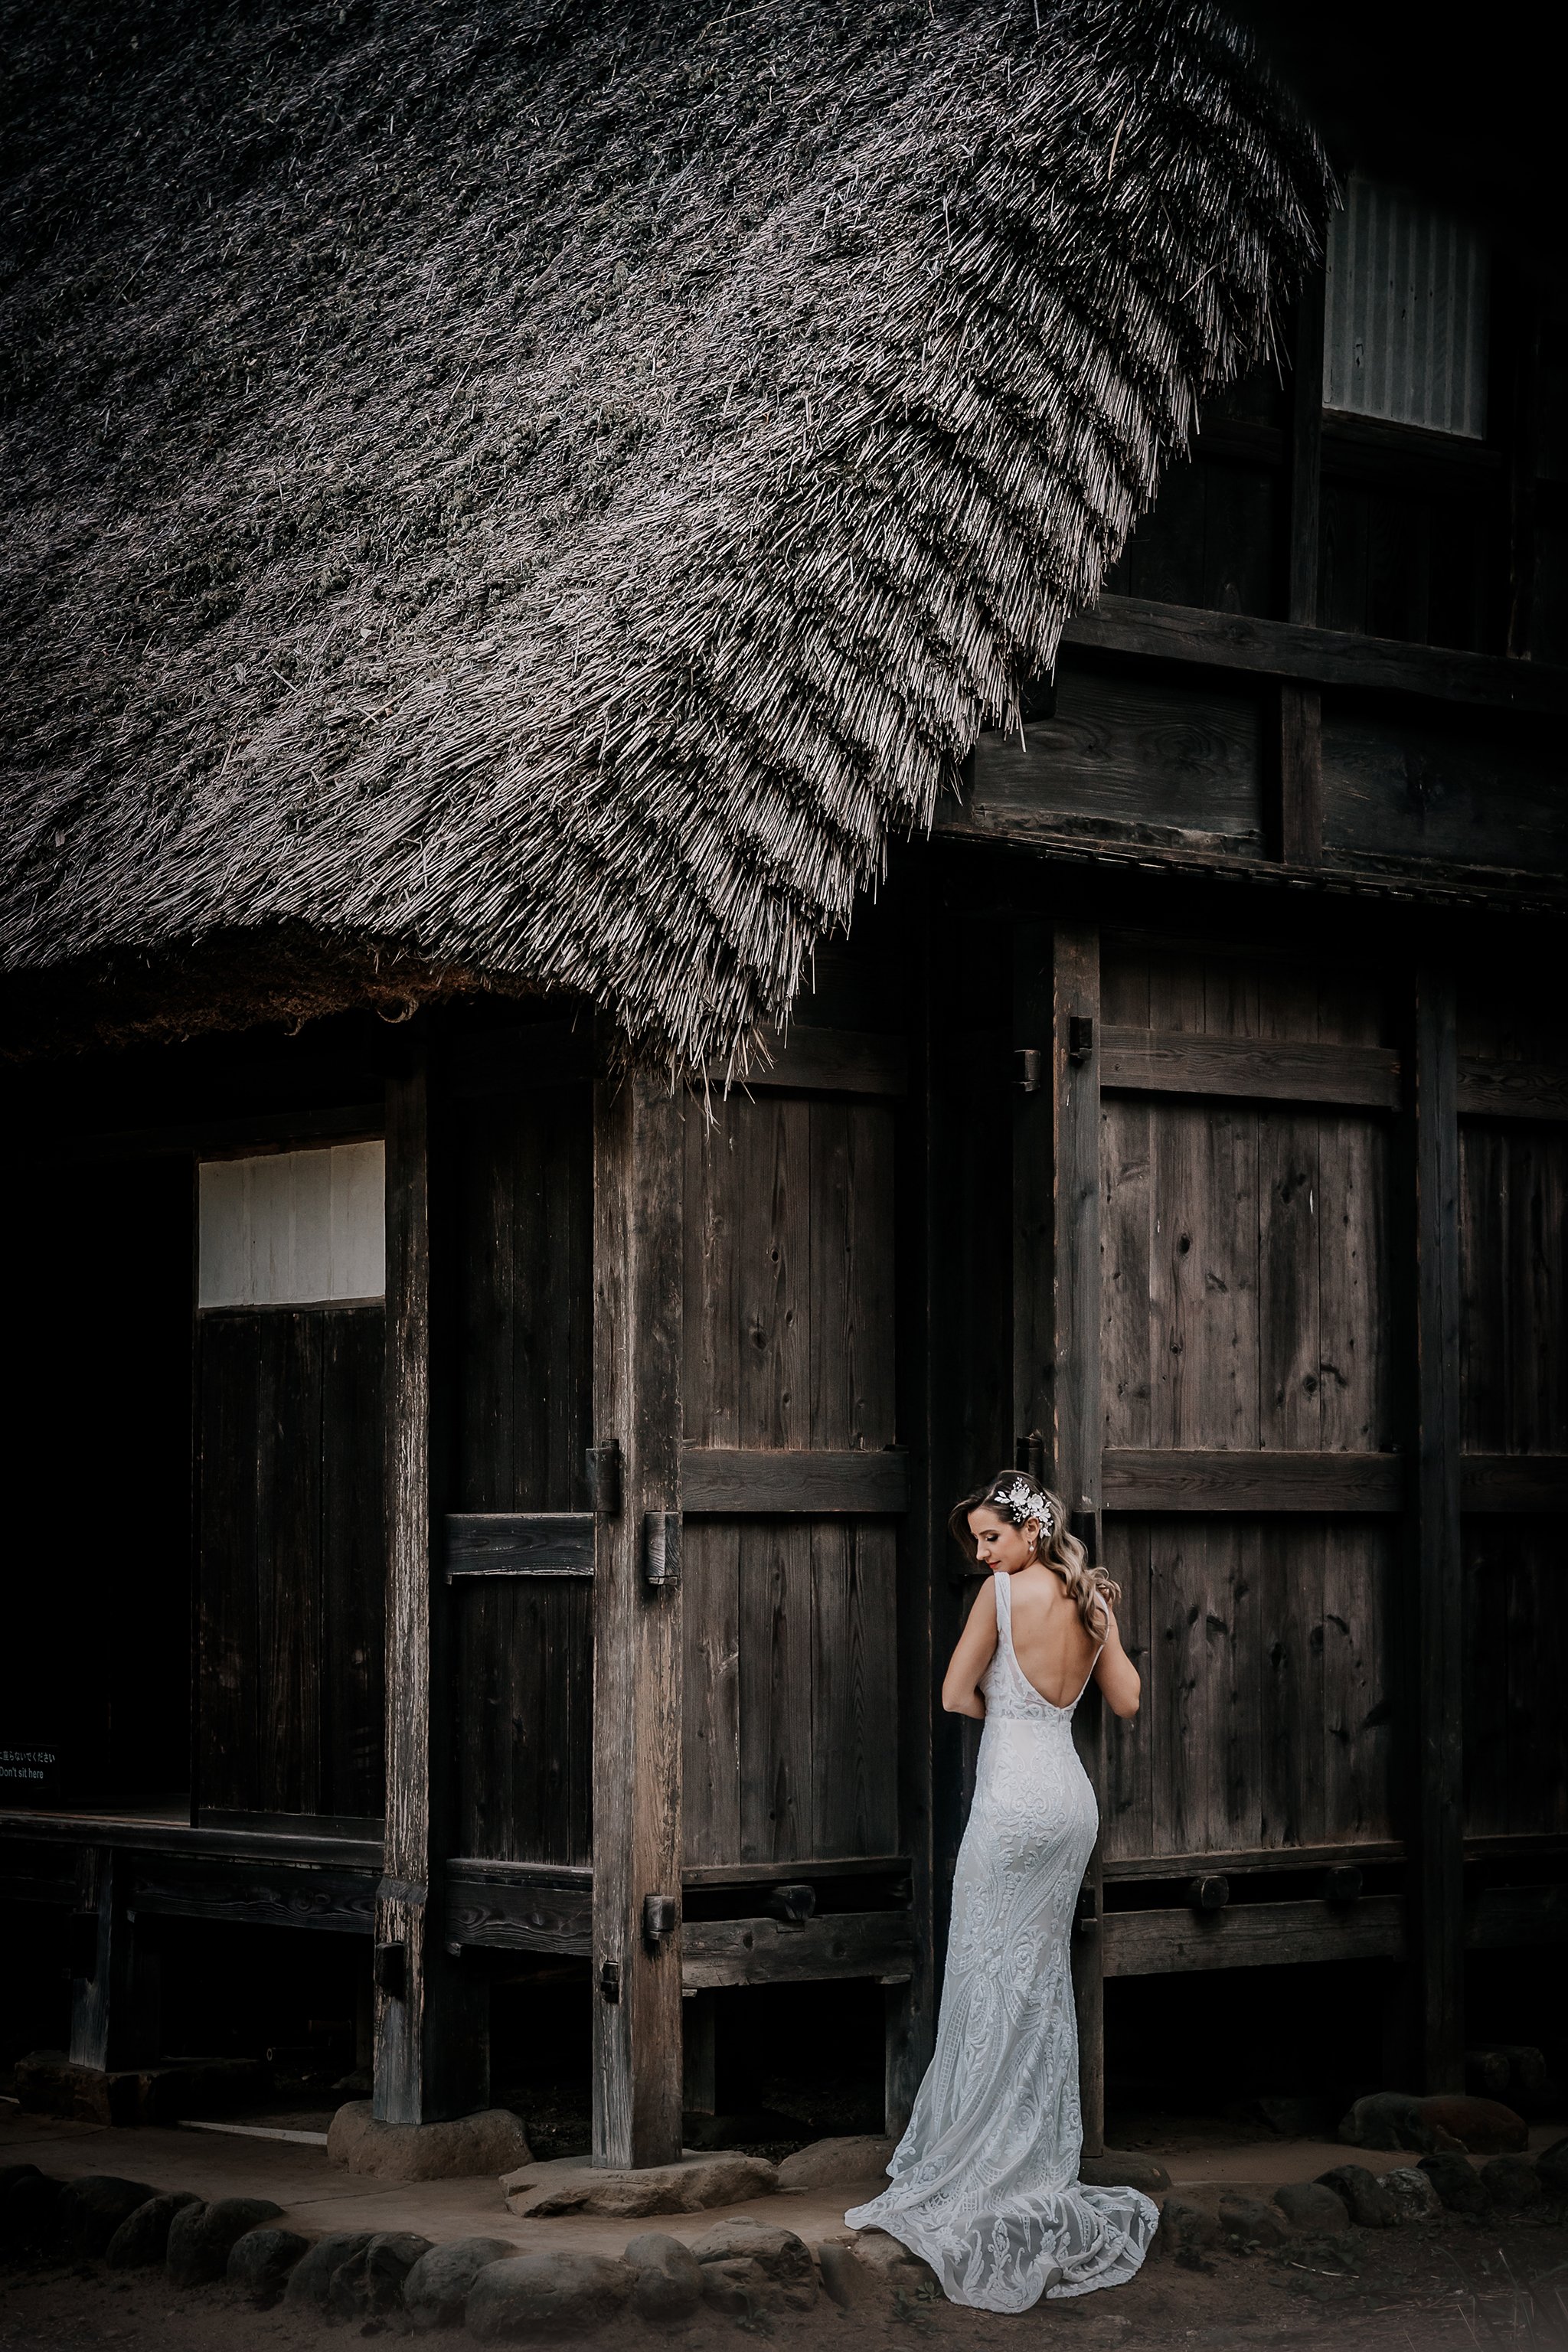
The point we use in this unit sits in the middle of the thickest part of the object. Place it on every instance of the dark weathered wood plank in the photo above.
(518, 1914)
(777, 1600)
(1504, 1919)
(823, 1061)
(228, 1379)
(727, 1481)
(1325, 657)
(808, 1866)
(1158, 1478)
(1513, 1482)
(533, 1054)
(1259, 1069)
(1437, 1910)
(432, 2049)
(353, 1780)
(1534, 1090)
(519, 1543)
(1252, 1935)
(639, 1242)
(339, 1901)
(774, 1951)
(1242, 1861)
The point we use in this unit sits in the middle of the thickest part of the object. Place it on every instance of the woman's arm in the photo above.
(976, 1647)
(1115, 1671)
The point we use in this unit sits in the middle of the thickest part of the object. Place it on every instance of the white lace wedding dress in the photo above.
(984, 2182)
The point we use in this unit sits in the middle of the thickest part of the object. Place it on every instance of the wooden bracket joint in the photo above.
(1028, 1069)
(661, 1918)
(1080, 1037)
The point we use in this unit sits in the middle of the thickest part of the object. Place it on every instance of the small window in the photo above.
(292, 1228)
(1405, 330)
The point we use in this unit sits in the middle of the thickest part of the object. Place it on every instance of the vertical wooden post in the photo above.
(432, 2054)
(114, 1977)
(1076, 1431)
(1437, 1792)
(1298, 817)
(638, 1192)
(1057, 1326)
(909, 2021)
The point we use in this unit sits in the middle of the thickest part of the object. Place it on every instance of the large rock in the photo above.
(738, 2288)
(10, 2174)
(1551, 2165)
(492, 2141)
(1512, 2184)
(1457, 2182)
(666, 2277)
(1308, 2205)
(1188, 2229)
(27, 2213)
(547, 2294)
(142, 2239)
(545, 2190)
(1412, 2193)
(261, 2264)
(311, 2276)
(1483, 2127)
(1118, 2169)
(892, 2263)
(843, 2280)
(1370, 2206)
(369, 2283)
(1246, 2223)
(783, 2260)
(88, 2211)
(202, 2237)
(1388, 2120)
(837, 2163)
(437, 2288)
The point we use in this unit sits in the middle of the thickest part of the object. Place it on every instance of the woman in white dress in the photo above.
(984, 2182)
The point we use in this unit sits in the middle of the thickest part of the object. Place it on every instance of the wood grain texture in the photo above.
(1458, 793)
(639, 1155)
(1326, 656)
(1253, 1936)
(1141, 1061)
(1158, 1478)
(518, 1543)
(774, 1951)
(1499, 1089)
(823, 1061)
(726, 1480)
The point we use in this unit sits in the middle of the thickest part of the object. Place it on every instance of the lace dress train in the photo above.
(984, 2183)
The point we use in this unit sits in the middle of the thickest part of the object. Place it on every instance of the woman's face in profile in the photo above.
(998, 1544)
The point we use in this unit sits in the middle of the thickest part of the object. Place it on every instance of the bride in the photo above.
(984, 2182)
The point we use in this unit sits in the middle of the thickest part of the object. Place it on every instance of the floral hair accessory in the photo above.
(1023, 1502)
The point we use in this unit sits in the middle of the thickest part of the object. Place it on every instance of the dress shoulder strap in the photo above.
(1002, 1593)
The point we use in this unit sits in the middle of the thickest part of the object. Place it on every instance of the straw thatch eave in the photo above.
(545, 497)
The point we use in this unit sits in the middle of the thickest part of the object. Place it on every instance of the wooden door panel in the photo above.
(790, 1620)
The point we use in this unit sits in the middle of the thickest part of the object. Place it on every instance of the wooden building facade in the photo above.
(538, 1466)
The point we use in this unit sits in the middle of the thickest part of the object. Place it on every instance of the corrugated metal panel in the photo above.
(1406, 333)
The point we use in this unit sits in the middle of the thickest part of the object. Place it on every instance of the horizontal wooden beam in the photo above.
(786, 1873)
(1231, 641)
(1502, 1917)
(1512, 1089)
(776, 1951)
(1264, 1069)
(527, 1911)
(1241, 1860)
(1252, 1935)
(1513, 1482)
(1157, 1478)
(130, 1833)
(519, 1543)
(823, 1061)
(743, 1480)
(248, 1896)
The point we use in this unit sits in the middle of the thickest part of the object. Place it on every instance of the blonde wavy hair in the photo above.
(1090, 1590)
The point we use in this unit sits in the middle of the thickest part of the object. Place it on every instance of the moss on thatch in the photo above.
(549, 492)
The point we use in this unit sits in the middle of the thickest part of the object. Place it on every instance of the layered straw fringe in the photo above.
(549, 495)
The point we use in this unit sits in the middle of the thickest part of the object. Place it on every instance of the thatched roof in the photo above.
(545, 493)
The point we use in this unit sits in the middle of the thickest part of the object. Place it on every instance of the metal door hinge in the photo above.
(661, 1547)
(1028, 1067)
(1080, 1037)
(661, 1918)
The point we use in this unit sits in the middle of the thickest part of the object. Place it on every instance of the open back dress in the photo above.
(984, 2183)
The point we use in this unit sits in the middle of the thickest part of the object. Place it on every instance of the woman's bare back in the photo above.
(1048, 1639)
